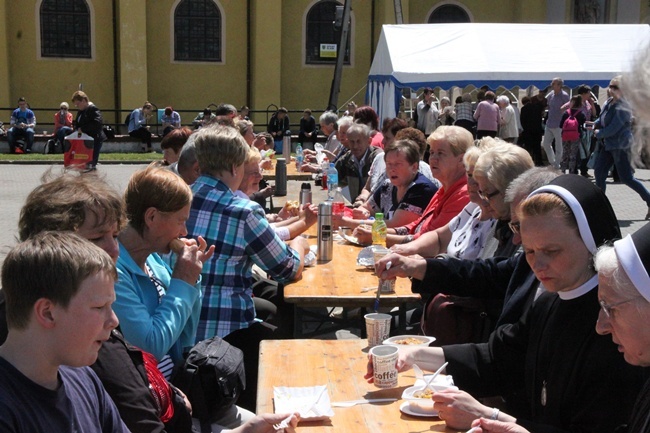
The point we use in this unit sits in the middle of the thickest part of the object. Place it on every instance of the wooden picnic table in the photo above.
(340, 365)
(292, 173)
(341, 283)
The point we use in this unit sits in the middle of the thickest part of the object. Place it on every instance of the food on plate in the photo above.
(427, 393)
(408, 341)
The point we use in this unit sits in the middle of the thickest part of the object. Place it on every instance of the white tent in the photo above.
(448, 55)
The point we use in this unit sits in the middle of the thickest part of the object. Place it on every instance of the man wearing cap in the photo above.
(427, 112)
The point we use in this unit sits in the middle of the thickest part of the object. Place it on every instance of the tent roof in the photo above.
(446, 55)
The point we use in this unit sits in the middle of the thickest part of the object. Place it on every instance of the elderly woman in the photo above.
(508, 128)
(159, 307)
(562, 226)
(487, 116)
(613, 127)
(367, 115)
(470, 234)
(447, 148)
(404, 194)
(446, 116)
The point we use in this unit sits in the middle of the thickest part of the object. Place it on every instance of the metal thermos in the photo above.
(305, 193)
(280, 177)
(325, 239)
(286, 146)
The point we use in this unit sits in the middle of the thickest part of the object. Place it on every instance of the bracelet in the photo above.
(495, 414)
(407, 239)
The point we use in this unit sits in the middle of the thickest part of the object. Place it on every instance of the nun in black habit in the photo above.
(567, 376)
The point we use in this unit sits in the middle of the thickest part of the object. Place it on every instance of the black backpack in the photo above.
(212, 377)
(127, 120)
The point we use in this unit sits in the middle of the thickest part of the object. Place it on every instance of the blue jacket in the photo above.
(613, 125)
(165, 327)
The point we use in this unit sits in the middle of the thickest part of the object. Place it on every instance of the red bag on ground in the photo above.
(78, 150)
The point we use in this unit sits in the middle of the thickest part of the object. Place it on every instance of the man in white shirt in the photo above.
(427, 112)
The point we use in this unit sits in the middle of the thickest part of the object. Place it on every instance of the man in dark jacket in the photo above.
(89, 121)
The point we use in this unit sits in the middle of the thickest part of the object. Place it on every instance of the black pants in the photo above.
(480, 133)
(532, 142)
(143, 134)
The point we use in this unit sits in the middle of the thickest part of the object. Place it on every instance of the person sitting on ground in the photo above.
(243, 236)
(447, 148)
(138, 127)
(561, 226)
(308, 132)
(173, 143)
(22, 124)
(470, 234)
(354, 166)
(62, 122)
(204, 118)
(59, 291)
(404, 194)
(170, 120)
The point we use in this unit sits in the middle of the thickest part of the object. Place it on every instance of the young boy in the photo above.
(59, 291)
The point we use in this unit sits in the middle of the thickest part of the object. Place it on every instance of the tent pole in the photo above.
(338, 71)
(398, 12)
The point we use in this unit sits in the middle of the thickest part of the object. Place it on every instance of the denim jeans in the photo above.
(621, 159)
(62, 133)
(15, 132)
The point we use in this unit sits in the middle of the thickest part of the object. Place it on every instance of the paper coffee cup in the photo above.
(377, 328)
(384, 286)
(384, 360)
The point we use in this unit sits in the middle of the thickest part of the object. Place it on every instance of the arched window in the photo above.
(322, 37)
(197, 31)
(448, 14)
(65, 29)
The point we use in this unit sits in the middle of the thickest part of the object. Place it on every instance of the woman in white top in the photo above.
(508, 129)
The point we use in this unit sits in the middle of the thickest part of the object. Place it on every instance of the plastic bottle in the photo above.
(379, 230)
(332, 181)
(324, 167)
(338, 203)
(299, 157)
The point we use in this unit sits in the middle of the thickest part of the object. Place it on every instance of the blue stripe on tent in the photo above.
(493, 84)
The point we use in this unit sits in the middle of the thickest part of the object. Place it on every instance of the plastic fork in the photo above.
(283, 424)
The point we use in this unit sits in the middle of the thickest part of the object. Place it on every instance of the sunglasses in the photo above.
(613, 87)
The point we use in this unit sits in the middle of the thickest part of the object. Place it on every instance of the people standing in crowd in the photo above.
(446, 116)
(170, 120)
(613, 127)
(464, 113)
(572, 117)
(62, 122)
(532, 111)
(508, 127)
(555, 101)
(89, 121)
(138, 127)
(591, 110)
(22, 122)
(427, 112)
(308, 132)
(277, 127)
(487, 116)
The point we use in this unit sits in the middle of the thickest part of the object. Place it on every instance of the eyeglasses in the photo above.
(607, 309)
(488, 196)
(63, 108)
(254, 173)
(613, 86)
(515, 227)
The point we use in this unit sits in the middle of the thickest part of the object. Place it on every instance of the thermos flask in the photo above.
(286, 146)
(280, 177)
(325, 240)
(305, 193)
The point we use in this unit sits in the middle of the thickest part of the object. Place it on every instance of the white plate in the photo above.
(425, 341)
(404, 408)
(295, 399)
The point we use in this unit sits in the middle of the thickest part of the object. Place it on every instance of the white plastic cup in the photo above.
(384, 365)
(377, 328)
(384, 286)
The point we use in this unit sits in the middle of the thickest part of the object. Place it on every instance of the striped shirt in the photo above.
(243, 237)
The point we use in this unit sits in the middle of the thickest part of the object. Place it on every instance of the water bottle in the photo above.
(324, 167)
(332, 181)
(338, 203)
(379, 230)
(325, 239)
(299, 157)
(280, 177)
(305, 193)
